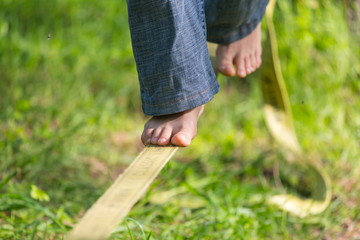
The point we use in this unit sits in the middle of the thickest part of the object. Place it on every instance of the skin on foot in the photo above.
(178, 129)
(241, 57)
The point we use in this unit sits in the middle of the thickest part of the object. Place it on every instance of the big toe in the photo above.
(224, 62)
(146, 136)
(226, 69)
(182, 139)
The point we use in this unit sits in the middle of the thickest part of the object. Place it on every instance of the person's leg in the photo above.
(235, 26)
(175, 73)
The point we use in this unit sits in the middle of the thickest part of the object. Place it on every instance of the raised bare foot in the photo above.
(245, 54)
(178, 129)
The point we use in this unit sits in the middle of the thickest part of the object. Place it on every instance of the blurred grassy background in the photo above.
(70, 121)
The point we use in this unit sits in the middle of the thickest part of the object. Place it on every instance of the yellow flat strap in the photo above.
(116, 202)
(278, 117)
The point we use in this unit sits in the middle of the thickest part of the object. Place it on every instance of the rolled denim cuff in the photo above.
(226, 36)
(179, 100)
(236, 34)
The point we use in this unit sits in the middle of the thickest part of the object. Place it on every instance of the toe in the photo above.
(164, 137)
(224, 61)
(258, 59)
(156, 135)
(227, 70)
(240, 67)
(253, 62)
(182, 138)
(248, 66)
(146, 135)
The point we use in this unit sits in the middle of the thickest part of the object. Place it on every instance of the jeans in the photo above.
(169, 44)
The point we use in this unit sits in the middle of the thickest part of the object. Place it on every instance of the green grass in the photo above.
(70, 121)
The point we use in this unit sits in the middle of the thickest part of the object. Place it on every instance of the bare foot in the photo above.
(178, 129)
(245, 54)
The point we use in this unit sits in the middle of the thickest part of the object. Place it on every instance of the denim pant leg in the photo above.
(230, 20)
(169, 45)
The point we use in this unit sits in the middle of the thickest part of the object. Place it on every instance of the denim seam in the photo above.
(203, 17)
